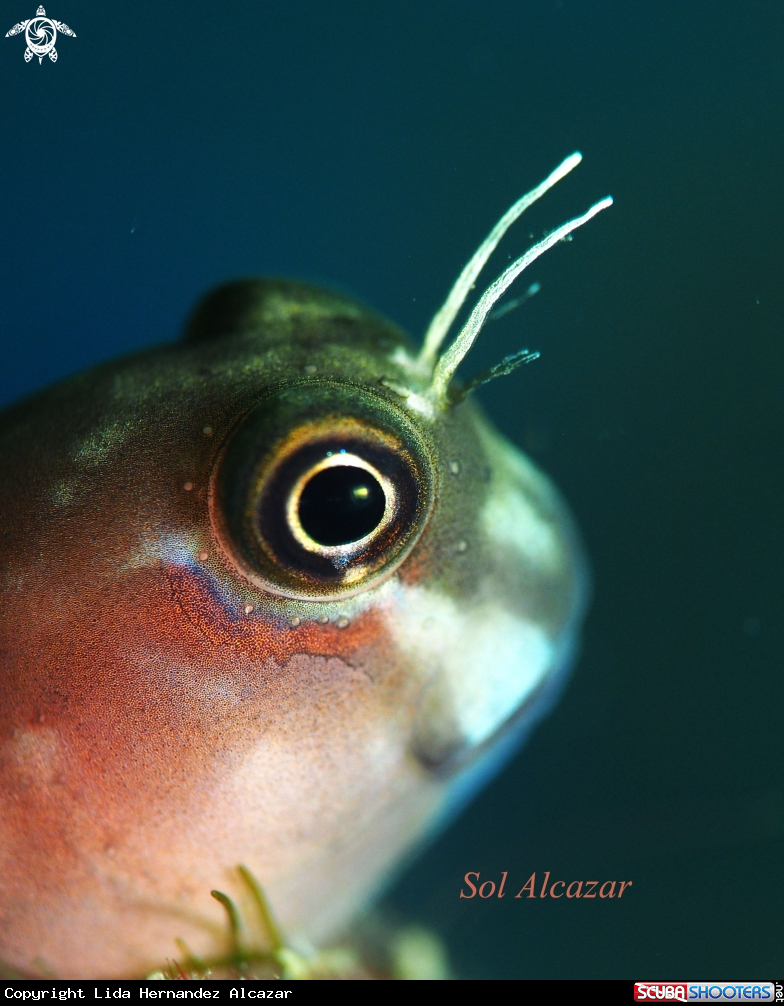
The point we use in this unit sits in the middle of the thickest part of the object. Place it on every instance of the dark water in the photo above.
(371, 146)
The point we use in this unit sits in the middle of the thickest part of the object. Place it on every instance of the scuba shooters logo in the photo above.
(40, 34)
(647, 992)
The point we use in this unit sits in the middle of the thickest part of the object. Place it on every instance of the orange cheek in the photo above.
(140, 694)
(142, 713)
(155, 654)
(261, 634)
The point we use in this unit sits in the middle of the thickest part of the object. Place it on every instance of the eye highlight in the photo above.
(339, 503)
(321, 490)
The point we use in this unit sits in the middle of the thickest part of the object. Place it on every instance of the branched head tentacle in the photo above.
(512, 305)
(506, 366)
(442, 322)
(449, 361)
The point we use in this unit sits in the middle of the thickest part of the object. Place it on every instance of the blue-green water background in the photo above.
(371, 146)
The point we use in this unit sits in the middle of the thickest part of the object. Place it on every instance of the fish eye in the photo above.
(321, 490)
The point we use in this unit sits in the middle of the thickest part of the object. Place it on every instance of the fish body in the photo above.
(197, 672)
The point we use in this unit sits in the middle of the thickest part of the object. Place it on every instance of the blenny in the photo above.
(276, 595)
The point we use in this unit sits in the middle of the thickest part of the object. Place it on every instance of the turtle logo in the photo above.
(40, 33)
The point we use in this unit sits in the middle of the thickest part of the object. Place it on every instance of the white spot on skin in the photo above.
(160, 546)
(342, 622)
(248, 609)
(421, 404)
(295, 622)
(483, 662)
(509, 520)
(36, 754)
(95, 448)
(410, 364)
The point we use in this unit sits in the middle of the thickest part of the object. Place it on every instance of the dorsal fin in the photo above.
(250, 305)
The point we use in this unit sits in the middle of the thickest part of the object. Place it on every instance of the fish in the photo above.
(276, 595)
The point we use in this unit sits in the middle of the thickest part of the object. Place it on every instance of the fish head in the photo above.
(277, 595)
(258, 607)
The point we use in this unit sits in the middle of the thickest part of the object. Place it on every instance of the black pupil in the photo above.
(340, 505)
